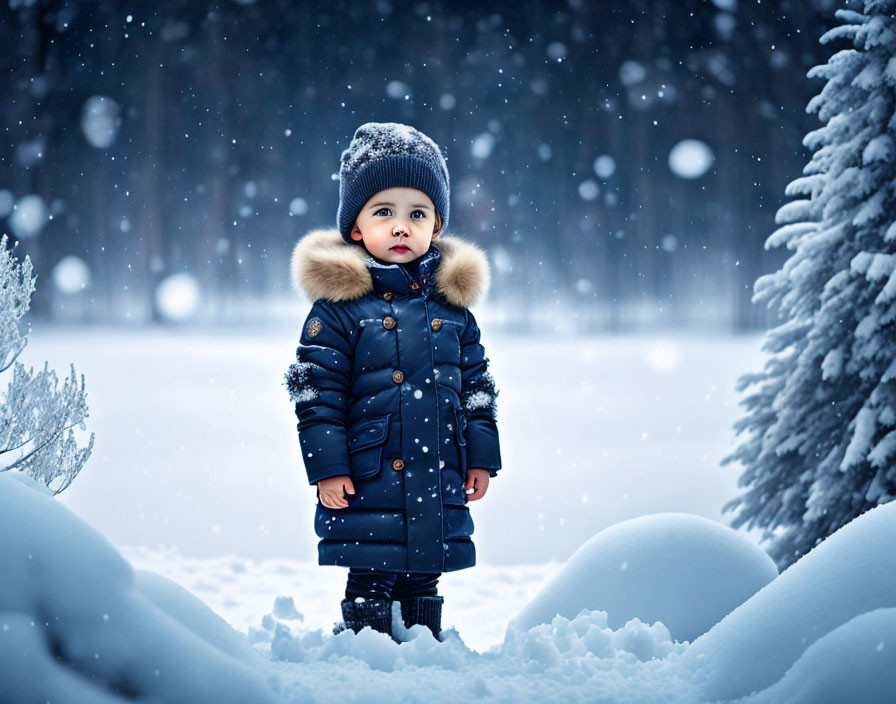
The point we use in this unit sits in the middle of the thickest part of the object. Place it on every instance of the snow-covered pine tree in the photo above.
(823, 444)
(34, 415)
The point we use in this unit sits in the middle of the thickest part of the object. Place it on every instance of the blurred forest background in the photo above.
(621, 163)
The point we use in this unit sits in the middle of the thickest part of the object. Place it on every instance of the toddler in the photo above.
(396, 407)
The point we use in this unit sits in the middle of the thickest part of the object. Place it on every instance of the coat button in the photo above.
(388, 322)
(398, 376)
(436, 324)
(397, 465)
(388, 295)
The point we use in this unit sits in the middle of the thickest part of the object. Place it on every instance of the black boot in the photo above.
(426, 610)
(376, 613)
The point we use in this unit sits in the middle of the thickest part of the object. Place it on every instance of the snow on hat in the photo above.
(389, 155)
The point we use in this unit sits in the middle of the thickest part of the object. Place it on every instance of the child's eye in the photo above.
(422, 214)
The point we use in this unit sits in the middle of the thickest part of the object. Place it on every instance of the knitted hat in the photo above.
(389, 155)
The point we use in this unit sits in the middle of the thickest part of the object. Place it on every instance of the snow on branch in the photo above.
(36, 418)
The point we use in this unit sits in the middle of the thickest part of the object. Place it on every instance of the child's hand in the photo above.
(477, 479)
(331, 491)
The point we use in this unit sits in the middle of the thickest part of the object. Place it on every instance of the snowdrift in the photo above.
(77, 624)
(852, 663)
(847, 575)
(686, 571)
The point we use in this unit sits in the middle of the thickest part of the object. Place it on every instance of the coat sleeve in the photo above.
(478, 395)
(318, 383)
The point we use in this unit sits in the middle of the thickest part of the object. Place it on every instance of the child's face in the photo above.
(397, 224)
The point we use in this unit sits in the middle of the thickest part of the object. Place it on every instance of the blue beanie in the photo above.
(389, 155)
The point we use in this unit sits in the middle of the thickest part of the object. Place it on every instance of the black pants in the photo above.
(395, 586)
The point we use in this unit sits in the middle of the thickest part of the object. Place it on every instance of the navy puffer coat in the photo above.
(391, 386)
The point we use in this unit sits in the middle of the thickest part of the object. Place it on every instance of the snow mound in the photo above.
(852, 572)
(77, 624)
(685, 571)
(563, 640)
(852, 663)
(193, 613)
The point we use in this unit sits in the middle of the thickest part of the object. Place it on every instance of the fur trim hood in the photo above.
(324, 265)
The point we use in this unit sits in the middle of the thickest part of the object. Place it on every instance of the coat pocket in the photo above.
(460, 429)
(366, 439)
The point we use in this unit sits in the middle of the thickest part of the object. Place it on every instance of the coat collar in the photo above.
(324, 265)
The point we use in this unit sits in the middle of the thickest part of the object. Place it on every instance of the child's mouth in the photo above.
(401, 249)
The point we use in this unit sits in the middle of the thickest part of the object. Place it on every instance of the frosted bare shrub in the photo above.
(36, 418)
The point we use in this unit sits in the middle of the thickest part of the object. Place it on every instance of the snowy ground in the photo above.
(79, 624)
(196, 477)
(196, 439)
(196, 448)
(479, 602)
